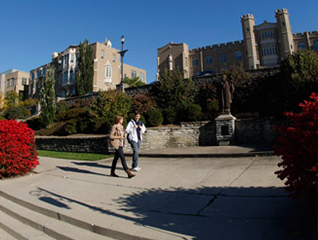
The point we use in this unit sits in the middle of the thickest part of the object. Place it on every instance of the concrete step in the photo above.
(23, 223)
(19, 230)
(6, 236)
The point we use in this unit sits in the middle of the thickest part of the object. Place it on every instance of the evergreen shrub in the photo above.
(169, 115)
(154, 118)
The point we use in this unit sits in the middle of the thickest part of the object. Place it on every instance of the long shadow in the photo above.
(91, 164)
(78, 170)
(215, 212)
(92, 207)
(224, 213)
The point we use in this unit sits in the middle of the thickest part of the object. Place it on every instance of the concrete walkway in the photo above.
(226, 192)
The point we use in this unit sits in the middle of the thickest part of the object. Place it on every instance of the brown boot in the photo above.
(130, 175)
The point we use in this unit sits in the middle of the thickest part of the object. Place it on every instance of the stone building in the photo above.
(14, 81)
(107, 70)
(264, 45)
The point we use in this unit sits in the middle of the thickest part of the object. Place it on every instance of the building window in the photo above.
(72, 57)
(38, 74)
(209, 59)
(114, 57)
(12, 82)
(102, 54)
(267, 34)
(270, 63)
(195, 62)
(8, 83)
(142, 77)
(301, 46)
(269, 49)
(238, 55)
(108, 71)
(315, 43)
(32, 76)
(71, 75)
(223, 57)
(133, 73)
(24, 81)
(44, 71)
(65, 78)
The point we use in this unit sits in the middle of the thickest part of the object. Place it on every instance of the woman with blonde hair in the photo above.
(117, 137)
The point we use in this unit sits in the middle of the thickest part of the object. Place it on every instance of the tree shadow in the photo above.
(224, 213)
(211, 212)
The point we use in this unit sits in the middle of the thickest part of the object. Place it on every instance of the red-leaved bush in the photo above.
(298, 146)
(18, 153)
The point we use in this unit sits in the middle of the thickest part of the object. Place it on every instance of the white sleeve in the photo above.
(129, 127)
(143, 128)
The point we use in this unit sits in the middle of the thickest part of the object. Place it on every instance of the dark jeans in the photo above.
(119, 153)
(135, 147)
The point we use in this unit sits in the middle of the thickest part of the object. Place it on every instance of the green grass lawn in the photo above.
(74, 155)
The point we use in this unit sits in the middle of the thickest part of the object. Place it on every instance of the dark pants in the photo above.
(119, 153)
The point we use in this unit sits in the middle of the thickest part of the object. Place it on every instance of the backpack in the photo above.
(128, 140)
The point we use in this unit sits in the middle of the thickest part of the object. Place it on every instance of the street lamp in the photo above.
(122, 53)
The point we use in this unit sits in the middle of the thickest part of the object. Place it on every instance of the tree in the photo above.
(174, 92)
(299, 77)
(85, 71)
(106, 106)
(134, 82)
(142, 103)
(47, 97)
(12, 99)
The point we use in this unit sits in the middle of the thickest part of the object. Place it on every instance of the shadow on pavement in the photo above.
(224, 213)
(213, 212)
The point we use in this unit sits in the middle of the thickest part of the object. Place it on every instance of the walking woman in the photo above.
(117, 136)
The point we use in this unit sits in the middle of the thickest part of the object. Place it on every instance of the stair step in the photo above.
(19, 230)
(6, 236)
(25, 223)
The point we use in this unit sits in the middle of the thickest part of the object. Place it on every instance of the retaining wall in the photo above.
(247, 131)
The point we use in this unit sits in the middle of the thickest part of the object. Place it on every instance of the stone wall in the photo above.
(91, 144)
(247, 131)
(252, 130)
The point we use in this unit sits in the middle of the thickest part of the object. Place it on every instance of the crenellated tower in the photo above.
(248, 23)
(285, 36)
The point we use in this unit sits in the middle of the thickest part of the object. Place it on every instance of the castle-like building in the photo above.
(263, 46)
(107, 70)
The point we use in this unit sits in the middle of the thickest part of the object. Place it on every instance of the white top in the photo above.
(132, 132)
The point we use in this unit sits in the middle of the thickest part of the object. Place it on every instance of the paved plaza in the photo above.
(214, 197)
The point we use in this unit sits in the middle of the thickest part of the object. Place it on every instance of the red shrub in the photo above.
(298, 146)
(18, 153)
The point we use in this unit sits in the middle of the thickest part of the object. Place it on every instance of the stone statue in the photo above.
(227, 92)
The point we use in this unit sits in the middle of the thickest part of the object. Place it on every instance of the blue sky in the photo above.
(32, 30)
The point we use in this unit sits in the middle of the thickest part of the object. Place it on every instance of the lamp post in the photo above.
(122, 53)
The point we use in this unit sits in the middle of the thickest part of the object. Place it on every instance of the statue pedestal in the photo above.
(225, 127)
